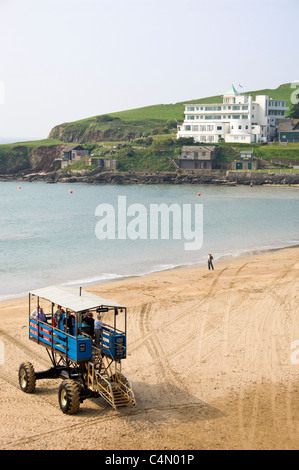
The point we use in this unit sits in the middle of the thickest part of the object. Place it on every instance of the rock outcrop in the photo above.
(217, 177)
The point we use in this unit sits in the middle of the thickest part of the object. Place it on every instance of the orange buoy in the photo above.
(19, 187)
(71, 192)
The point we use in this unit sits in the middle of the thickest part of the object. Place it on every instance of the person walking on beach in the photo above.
(210, 262)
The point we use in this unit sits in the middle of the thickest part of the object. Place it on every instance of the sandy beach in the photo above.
(209, 355)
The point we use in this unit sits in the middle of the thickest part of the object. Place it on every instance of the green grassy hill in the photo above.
(166, 112)
(125, 125)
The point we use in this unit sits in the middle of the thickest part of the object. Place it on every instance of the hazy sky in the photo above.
(63, 60)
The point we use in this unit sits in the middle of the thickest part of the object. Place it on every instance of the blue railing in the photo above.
(76, 348)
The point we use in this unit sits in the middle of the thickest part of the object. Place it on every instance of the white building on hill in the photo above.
(237, 119)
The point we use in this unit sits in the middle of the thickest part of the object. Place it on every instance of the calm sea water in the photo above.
(48, 234)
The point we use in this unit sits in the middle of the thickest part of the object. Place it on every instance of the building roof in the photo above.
(288, 125)
(73, 147)
(71, 299)
(195, 148)
(232, 91)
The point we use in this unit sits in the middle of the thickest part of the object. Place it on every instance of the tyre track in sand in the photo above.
(85, 426)
(164, 370)
(263, 360)
(20, 345)
(205, 336)
(148, 332)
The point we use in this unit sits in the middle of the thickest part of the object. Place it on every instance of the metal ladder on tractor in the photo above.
(112, 385)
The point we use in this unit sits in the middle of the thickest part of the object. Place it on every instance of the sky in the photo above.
(64, 60)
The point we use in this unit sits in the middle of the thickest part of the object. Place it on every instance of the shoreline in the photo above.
(220, 259)
(150, 177)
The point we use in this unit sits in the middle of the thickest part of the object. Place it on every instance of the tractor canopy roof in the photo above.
(74, 299)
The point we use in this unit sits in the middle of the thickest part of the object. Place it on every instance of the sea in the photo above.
(83, 234)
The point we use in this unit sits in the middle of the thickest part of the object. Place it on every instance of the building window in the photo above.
(190, 118)
(190, 108)
(219, 128)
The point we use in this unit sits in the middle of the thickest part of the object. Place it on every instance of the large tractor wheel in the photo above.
(69, 397)
(27, 377)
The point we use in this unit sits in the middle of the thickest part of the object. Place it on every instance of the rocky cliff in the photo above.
(24, 159)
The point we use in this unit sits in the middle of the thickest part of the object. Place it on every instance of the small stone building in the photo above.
(246, 162)
(102, 163)
(197, 157)
(71, 154)
(288, 130)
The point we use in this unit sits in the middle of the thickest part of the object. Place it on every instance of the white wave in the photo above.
(16, 237)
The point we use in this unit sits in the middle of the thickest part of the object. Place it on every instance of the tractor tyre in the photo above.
(27, 377)
(69, 397)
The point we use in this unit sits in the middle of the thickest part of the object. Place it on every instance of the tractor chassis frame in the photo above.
(66, 369)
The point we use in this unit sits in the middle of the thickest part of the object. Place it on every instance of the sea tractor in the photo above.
(89, 368)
